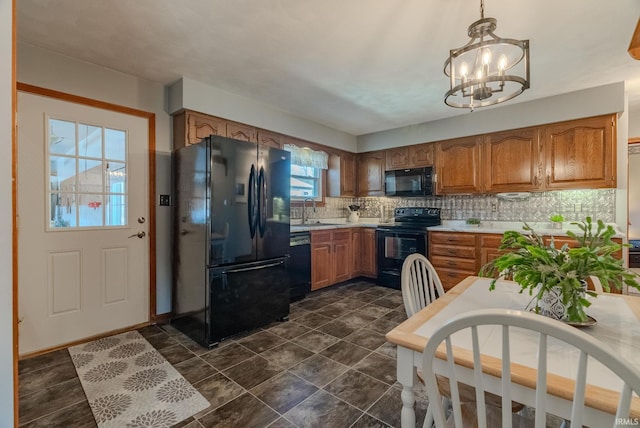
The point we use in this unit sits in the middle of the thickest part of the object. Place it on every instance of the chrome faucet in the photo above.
(304, 209)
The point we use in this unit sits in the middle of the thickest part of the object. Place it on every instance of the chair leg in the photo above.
(428, 419)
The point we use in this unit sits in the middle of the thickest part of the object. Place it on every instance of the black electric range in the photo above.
(407, 234)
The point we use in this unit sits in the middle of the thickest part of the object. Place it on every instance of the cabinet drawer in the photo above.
(453, 263)
(452, 238)
(318, 236)
(451, 277)
(490, 241)
(342, 235)
(451, 251)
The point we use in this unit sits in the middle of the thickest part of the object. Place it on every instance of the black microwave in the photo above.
(409, 182)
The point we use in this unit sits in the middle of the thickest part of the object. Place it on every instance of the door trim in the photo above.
(151, 119)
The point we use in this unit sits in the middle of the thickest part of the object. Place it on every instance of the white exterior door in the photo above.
(82, 221)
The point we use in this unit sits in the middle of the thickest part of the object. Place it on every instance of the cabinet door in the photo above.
(190, 127)
(421, 155)
(242, 132)
(581, 153)
(347, 174)
(356, 252)
(511, 161)
(268, 138)
(368, 254)
(342, 263)
(458, 166)
(371, 173)
(397, 158)
(321, 265)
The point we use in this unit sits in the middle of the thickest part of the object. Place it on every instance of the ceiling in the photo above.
(358, 66)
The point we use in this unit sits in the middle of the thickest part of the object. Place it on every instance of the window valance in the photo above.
(305, 156)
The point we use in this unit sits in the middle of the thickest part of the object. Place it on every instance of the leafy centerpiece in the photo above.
(545, 270)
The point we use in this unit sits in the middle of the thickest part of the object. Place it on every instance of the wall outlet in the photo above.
(577, 208)
(165, 200)
(494, 207)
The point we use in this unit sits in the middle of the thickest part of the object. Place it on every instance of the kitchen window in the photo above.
(307, 167)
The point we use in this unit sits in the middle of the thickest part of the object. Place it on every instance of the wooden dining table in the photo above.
(617, 325)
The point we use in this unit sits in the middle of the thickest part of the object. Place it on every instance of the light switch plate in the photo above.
(165, 200)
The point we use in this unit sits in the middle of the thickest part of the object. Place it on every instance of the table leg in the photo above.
(406, 376)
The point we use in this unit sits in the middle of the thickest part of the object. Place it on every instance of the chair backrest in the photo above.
(597, 285)
(421, 284)
(545, 328)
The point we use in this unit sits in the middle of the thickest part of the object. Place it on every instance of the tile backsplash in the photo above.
(574, 205)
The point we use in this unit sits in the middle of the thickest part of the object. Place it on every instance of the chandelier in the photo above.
(487, 70)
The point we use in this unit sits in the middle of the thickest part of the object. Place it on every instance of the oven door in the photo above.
(394, 245)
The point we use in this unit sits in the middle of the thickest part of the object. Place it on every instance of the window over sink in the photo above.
(307, 167)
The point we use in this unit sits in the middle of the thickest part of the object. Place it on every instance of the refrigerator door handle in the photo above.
(251, 203)
(262, 201)
(279, 262)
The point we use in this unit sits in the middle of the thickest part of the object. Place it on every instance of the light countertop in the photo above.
(542, 228)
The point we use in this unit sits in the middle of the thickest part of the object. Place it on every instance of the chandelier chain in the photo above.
(481, 9)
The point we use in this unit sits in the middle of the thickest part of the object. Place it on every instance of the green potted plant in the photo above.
(546, 271)
(556, 221)
(472, 221)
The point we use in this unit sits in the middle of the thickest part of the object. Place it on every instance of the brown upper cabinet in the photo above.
(371, 173)
(416, 156)
(581, 153)
(567, 155)
(341, 176)
(511, 161)
(458, 166)
(189, 127)
(240, 131)
(271, 139)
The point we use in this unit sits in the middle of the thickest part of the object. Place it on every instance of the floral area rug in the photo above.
(130, 384)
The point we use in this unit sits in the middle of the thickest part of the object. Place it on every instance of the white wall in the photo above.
(6, 222)
(590, 102)
(192, 95)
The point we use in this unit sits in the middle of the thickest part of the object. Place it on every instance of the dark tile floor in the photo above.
(329, 366)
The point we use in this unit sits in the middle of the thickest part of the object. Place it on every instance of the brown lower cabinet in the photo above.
(330, 257)
(341, 254)
(363, 242)
(457, 255)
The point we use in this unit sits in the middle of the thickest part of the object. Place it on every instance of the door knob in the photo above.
(140, 234)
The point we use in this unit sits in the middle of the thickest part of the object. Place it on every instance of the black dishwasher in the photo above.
(299, 265)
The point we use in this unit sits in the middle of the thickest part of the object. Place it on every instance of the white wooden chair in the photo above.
(546, 328)
(420, 283)
(597, 285)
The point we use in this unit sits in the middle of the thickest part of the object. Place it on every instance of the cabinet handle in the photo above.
(548, 179)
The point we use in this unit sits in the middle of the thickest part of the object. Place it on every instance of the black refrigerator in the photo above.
(231, 237)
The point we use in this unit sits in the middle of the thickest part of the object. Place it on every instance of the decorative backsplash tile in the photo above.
(574, 205)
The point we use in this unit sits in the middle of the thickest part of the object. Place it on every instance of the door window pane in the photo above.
(89, 141)
(62, 137)
(87, 175)
(115, 144)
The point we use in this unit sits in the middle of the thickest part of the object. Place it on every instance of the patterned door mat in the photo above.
(130, 384)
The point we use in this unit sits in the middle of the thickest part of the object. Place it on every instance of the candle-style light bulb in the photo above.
(464, 69)
(479, 74)
(502, 62)
(486, 57)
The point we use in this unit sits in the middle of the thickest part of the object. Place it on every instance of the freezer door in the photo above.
(233, 206)
(274, 178)
(247, 296)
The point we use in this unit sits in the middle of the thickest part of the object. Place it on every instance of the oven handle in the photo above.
(395, 230)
